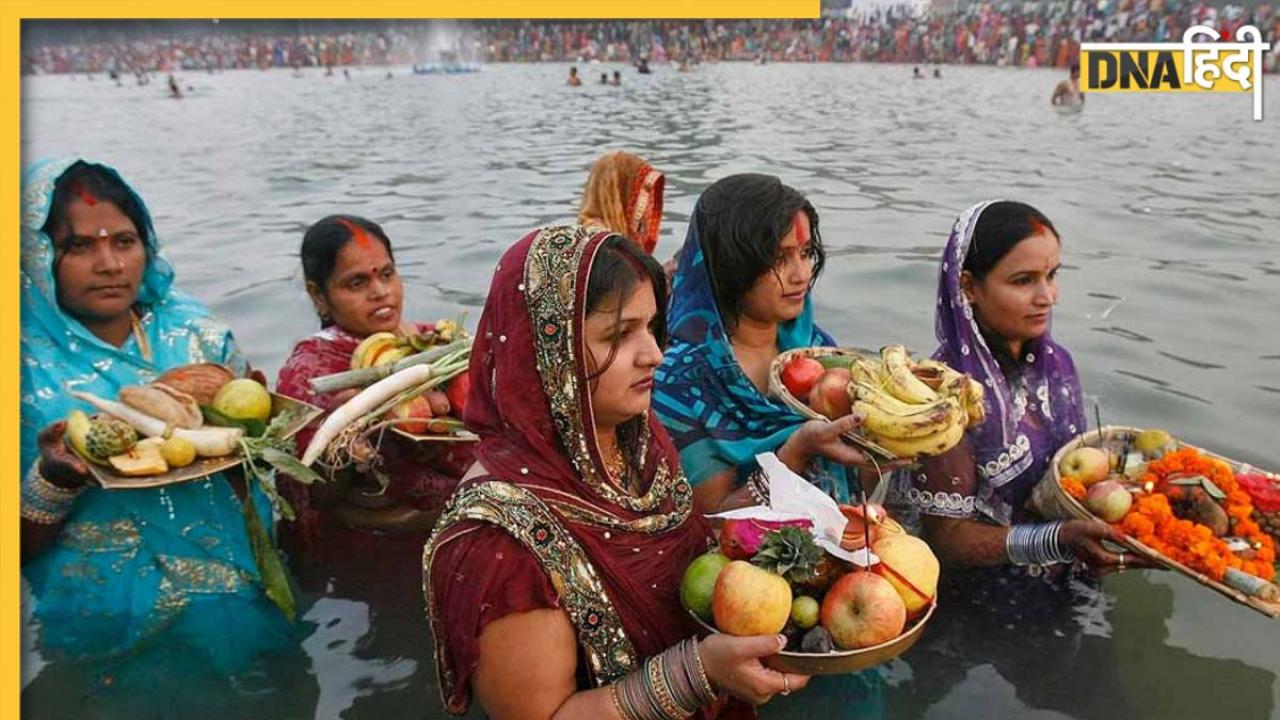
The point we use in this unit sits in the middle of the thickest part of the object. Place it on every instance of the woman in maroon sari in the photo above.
(351, 278)
(552, 578)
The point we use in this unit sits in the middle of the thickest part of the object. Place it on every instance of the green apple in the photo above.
(804, 612)
(700, 582)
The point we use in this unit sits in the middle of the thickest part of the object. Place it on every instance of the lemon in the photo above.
(243, 399)
(178, 452)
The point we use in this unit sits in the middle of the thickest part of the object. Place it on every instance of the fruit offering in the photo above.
(434, 412)
(910, 408)
(783, 581)
(152, 428)
(1187, 505)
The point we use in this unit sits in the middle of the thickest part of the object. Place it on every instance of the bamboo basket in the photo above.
(1049, 499)
(780, 392)
(841, 661)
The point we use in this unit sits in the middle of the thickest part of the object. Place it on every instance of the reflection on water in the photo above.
(1169, 207)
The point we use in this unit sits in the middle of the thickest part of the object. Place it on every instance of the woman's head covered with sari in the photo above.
(59, 351)
(717, 417)
(1042, 407)
(128, 565)
(533, 383)
(624, 194)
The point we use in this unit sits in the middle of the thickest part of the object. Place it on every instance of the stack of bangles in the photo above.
(43, 502)
(758, 485)
(1036, 545)
(671, 686)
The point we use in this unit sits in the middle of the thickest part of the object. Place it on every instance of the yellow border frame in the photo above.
(12, 12)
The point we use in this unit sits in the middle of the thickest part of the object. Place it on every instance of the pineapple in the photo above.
(791, 553)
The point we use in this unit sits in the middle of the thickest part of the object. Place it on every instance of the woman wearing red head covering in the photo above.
(552, 578)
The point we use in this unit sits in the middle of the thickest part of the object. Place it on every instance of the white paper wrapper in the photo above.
(791, 497)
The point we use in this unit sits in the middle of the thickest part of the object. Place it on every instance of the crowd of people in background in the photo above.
(1031, 34)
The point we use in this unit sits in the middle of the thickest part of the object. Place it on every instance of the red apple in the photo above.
(862, 609)
(749, 600)
(830, 396)
(1109, 500)
(1086, 464)
(800, 375)
(417, 408)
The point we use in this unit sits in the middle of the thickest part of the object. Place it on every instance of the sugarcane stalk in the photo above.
(368, 376)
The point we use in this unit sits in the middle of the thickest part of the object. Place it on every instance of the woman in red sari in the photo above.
(352, 281)
(552, 578)
(624, 194)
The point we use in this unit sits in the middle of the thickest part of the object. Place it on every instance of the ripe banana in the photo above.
(927, 446)
(899, 380)
(368, 349)
(928, 420)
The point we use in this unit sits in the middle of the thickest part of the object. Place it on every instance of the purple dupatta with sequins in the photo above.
(1030, 413)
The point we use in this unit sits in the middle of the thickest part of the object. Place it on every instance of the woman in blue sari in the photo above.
(116, 575)
(741, 296)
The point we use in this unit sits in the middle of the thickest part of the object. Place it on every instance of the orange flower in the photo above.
(1152, 522)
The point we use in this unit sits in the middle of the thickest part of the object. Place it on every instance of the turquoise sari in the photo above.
(167, 568)
(718, 419)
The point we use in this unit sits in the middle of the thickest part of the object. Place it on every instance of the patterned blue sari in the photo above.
(166, 568)
(715, 414)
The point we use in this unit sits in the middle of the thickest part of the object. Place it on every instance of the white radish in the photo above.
(365, 402)
(208, 441)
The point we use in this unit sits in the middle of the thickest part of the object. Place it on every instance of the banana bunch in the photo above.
(913, 409)
(382, 348)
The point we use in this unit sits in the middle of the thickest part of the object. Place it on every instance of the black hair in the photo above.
(91, 180)
(741, 220)
(619, 266)
(1075, 67)
(1001, 226)
(325, 239)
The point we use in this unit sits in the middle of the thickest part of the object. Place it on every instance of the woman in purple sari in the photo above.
(997, 286)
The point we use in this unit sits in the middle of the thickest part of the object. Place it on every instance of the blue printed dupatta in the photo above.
(718, 419)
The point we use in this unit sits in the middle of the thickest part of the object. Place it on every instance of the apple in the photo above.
(830, 396)
(1086, 464)
(1109, 500)
(911, 568)
(862, 609)
(699, 582)
(417, 408)
(1153, 444)
(804, 612)
(748, 600)
(800, 375)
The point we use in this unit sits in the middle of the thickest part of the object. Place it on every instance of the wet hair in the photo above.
(325, 239)
(741, 221)
(619, 267)
(1001, 226)
(91, 181)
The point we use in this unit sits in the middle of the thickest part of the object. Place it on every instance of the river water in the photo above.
(1169, 209)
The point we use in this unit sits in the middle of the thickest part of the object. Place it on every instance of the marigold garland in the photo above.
(1073, 487)
(1152, 522)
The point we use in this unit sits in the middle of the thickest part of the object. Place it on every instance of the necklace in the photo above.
(615, 463)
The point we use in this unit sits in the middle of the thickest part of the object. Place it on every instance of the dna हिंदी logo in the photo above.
(1196, 64)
